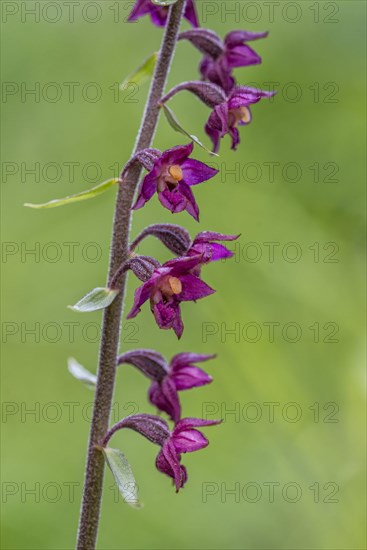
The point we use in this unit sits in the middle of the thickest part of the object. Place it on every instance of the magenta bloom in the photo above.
(168, 379)
(159, 14)
(168, 286)
(183, 439)
(171, 176)
(221, 57)
(211, 251)
(235, 111)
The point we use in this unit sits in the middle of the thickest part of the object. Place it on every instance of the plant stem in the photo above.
(90, 508)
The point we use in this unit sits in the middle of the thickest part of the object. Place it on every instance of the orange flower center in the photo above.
(176, 172)
(170, 286)
(242, 114)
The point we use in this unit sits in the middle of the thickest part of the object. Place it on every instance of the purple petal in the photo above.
(188, 423)
(187, 357)
(191, 205)
(190, 13)
(187, 441)
(147, 189)
(235, 38)
(242, 56)
(195, 172)
(176, 155)
(235, 135)
(177, 266)
(141, 8)
(165, 314)
(222, 112)
(168, 463)
(142, 294)
(159, 15)
(174, 200)
(188, 377)
(164, 396)
(193, 288)
(213, 134)
(206, 236)
(245, 95)
(178, 326)
(211, 252)
(168, 316)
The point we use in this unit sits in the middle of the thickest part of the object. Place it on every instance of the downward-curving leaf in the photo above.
(174, 123)
(164, 2)
(98, 298)
(123, 475)
(84, 195)
(81, 373)
(142, 73)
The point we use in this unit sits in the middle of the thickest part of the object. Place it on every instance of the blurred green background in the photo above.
(311, 450)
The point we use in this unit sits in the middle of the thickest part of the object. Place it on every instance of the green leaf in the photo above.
(164, 2)
(98, 298)
(84, 195)
(123, 475)
(81, 373)
(174, 123)
(142, 73)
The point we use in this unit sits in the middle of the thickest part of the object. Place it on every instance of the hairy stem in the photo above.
(90, 508)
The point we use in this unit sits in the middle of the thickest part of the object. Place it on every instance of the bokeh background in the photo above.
(311, 373)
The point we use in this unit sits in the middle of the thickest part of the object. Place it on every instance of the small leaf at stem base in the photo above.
(81, 373)
(84, 195)
(98, 298)
(173, 122)
(123, 475)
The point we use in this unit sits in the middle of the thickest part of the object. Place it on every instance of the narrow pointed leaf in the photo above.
(124, 477)
(98, 298)
(174, 123)
(142, 73)
(81, 373)
(84, 195)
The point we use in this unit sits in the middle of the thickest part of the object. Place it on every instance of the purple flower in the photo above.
(229, 110)
(159, 14)
(168, 379)
(183, 439)
(178, 241)
(171, 176)
(235, 111)
(204, 244)
(221, 57)
(168, 286)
